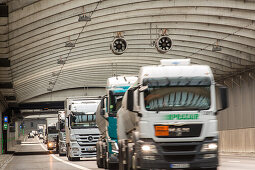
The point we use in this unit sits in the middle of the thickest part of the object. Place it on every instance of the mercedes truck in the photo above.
(82, 132)
(61, 140)
(168, 118)
(51, 133)
(107, 145)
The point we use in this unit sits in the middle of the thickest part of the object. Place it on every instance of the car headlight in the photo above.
(209, 147)
(72, 137)
(149, 148)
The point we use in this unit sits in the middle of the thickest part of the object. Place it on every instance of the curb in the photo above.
(10, 157)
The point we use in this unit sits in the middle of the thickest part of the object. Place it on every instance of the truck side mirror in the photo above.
(223, 97)
(102, 111)
(130, 99)
(57, 126)
(67, 122)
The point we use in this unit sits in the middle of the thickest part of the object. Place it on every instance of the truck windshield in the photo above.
(83, 121)
(52, 129)
(83, 114)
(177, 94)
(115, 102)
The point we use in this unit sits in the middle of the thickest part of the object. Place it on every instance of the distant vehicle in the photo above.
(61, 140)
(31, 135)
(81, 130)
(40, 136)
(51, 133)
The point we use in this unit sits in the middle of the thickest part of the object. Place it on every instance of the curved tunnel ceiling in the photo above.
(39, 30)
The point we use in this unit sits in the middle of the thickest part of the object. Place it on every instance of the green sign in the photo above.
(182, 117)
(5, 126)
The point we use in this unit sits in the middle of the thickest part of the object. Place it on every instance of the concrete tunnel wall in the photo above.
(237, 123)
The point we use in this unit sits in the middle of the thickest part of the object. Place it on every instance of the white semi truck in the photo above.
(51, 133)
(107, 145)
(61, 140)
(81, 130)
(168, 118)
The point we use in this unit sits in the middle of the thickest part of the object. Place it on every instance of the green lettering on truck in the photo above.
(182, 117)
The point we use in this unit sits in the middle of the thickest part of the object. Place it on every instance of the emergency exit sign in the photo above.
(5, 126)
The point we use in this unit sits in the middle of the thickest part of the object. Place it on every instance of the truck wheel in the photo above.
(99, 160)
(112, 166)
(62, 154)
(122, 165)
(68, 154)
(104, 150)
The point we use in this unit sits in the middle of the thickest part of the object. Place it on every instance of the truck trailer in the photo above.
(107, 145)
(168, 118)
(81, 130)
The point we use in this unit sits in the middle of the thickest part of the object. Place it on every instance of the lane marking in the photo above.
(69, 163)
(29, 144)
(6, 163)
(61, 160)
(234, 161)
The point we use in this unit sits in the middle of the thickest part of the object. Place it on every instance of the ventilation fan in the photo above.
(163, 44)
(118, 46)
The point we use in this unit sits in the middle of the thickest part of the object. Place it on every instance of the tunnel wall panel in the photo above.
(237, 124)
(239, 140)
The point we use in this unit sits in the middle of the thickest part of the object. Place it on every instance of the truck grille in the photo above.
(179, 152)
(179, 158)
(87, 140)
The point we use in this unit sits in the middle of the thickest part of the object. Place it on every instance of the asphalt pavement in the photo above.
(34, 155)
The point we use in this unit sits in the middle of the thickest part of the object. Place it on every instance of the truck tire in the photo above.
(122, 148)
(68, 154)
(61, 154)
(112, 166)
(100, 163)
(104, 152)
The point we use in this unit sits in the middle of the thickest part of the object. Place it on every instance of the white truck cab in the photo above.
(81, 130)
(168, 118)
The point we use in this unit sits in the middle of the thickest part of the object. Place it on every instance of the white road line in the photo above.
(69, 163)
(29, 144)
(234, 161)
(6, 163)
(61, 160)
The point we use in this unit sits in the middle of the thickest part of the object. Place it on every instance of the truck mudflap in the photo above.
(182, 155)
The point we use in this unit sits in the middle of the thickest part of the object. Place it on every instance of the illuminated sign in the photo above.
(5, 126)
(6, 119)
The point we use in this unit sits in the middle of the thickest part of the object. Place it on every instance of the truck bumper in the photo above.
(162, 164)
(83, 152)
(182, 155)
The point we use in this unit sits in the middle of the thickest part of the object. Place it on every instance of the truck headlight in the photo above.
(149, 148)
(207, 147)
(75, 149)
(72, 137)
(50, 144)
